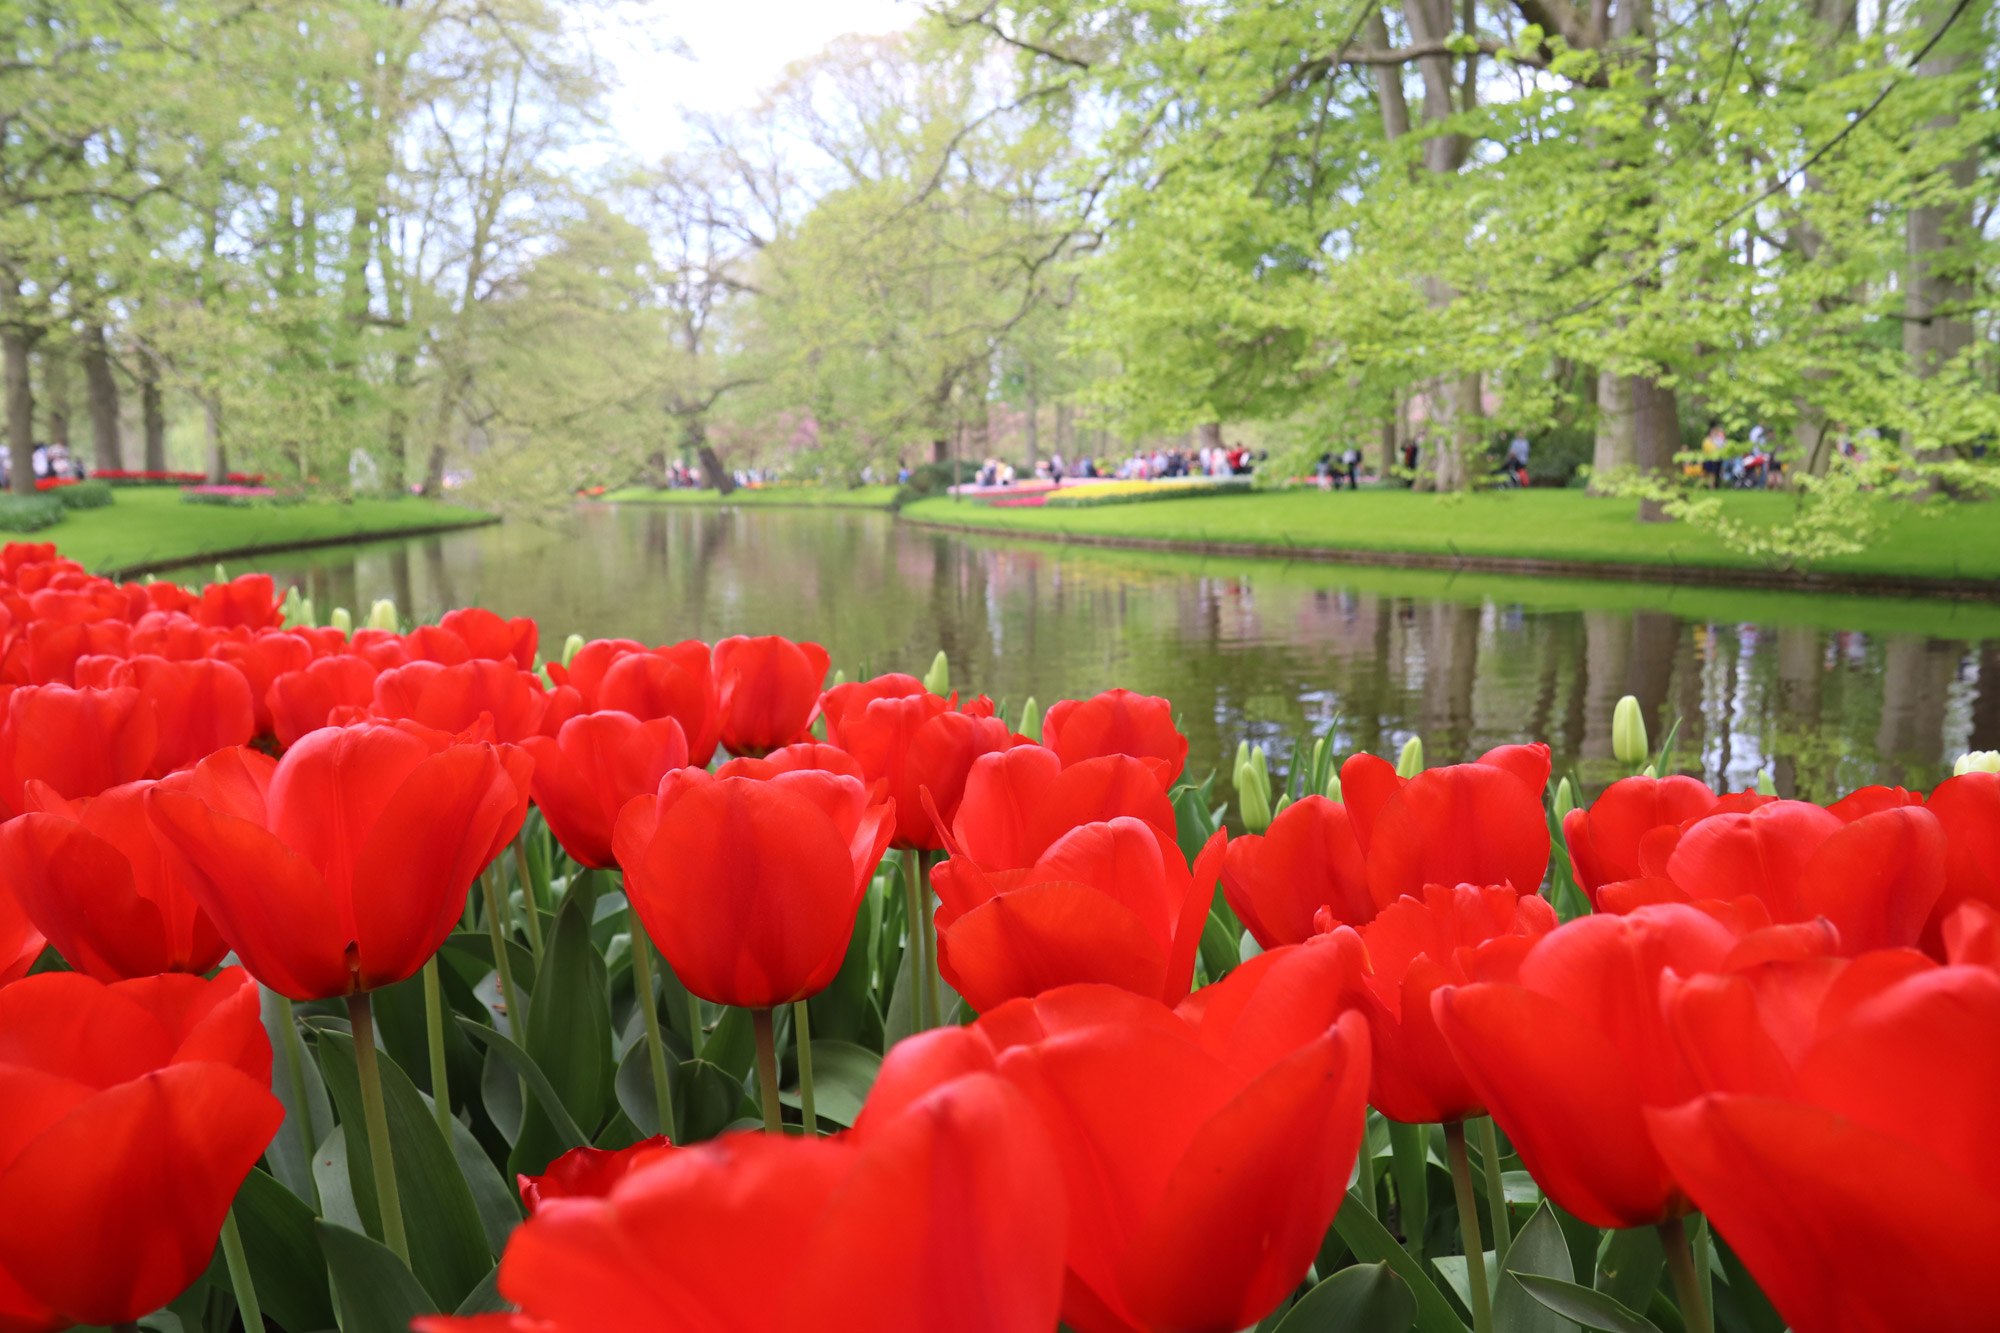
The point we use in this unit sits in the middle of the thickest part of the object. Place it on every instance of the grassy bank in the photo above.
(150, 527)
(782, 496)
(1945, 542)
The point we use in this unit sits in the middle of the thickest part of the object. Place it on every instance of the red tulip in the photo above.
(947, 1215)
(586, 773)
(381, 648)
(588, 1173)
(51, 649)
(1309, 860)
(94, 881)
(131, 1114)
(750, 887)
(21, 942)
(1567, 1057)
(1478, 823)
(199, 706)
(1968, 809)
(1604, 839)
(1110, 902)
(804, 755)
(1199, 1187)
(676, 681)
(1019, 801)
(1862, 1190)
(342, 866)
(1876, 879)
(767, 691)
(302, 701)
(248, 600)
(1873, 800)
(1280, 1000)
(78, 741)
(915, 744)
(852, 698)
(262, 659)
(1971, 935)
(173, 635)
(454, 698)
(1118, 722)
(486, 635)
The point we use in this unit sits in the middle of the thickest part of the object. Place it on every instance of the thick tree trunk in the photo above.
(56, 392)
(1937, 286)
(1388, 80)
(1656, 434)
(713, 472)
(152, 412)
(15, 342)
(1615, 449)
(102, 387)
(218, 456)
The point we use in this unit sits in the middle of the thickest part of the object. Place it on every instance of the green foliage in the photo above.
(84, 495)
(29, 513)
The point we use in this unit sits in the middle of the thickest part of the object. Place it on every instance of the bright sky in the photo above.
(718, 55)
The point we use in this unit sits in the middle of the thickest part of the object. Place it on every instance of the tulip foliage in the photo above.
(387, 980)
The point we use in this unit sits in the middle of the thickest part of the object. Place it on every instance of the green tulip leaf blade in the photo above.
(1540, 1250)
(531, 1074)
(569, 1037)
(284, 1254)
(499, 1207)
(1372, 1243)
(1363, 1298)
(842, 1075)
(377, 1293)
(486, 1297)
(1584, 1305)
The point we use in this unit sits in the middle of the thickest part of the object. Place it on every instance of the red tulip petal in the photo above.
(1763, 853)
(1195, 908)
(1367, 782)
(1047, 935)
(1003, 793)
(1878, 879)
(1097, 791)
(1530, 763)
(1466, 824)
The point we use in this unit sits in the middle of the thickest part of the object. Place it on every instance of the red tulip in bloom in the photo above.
(1416, 946)
(853, 697)
(93, 879)
(130, 1115)
(1307, 862)
(918, 743)
(807, 755)
(342, 866)
(1202, 1171)
(947, 1214)
(586, 773)
(1968, 808)
(1604, 840)
(21, 941)
(1019, 801)
(262, 658)
(248, 600)
(1568, 1056)
(78, 741)
(1876, 879)
(589, 1173)
(767, 691)
(1118, 722)
(675, 681)
(1110, 902)
(487, 635)
(304, 700)
(1861, 1183)
(454, 698)
(750, 887)
(199, 706)
(1477, 823)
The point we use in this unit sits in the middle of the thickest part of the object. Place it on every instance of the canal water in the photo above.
(1829, 693)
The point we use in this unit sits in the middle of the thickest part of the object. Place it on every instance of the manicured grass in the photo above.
(149, 526)
(858, 497)
(1943, 541)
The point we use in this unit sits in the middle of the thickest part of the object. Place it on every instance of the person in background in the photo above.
(1517, 458)
(1712, 446)
(1323, 470)
(1350, 461)
(1411, 455)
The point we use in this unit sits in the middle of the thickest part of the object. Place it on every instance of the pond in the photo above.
(1829, 693)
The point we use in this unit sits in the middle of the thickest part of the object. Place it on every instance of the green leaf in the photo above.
(471, 953)
(634, 1086)
(1584, 1305)
(486, 1297)
(732, 1046)
(448, 1248)
(1758, 1313)
(336, 1193)
(530, 1073)
(1629, 1263)
(842, 1075)
(845, 1010)
(1372, 1243)
(287, 1153)
(377, 1294)
(1409, 1168)
(569, 1038)
(499, 1086)
(1366, 1298)
(1539, 1250)
(499, 1207)
(284, 1255)
(1218, 948)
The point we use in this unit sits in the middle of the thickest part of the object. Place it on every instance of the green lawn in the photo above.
(149, 526)
(858, 497)
(1944, 541)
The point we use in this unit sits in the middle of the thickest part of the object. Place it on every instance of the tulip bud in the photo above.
(1565, 800)
(1628, 732)
(1977, 761)
(341, 619)
(1253, 788)
(938, 679)
(1411, 761)
(221, 574)
(307, 616)
(1649, 772)
(1031, 720)
(1283, 801)
(571, 647)
(1333, 786)
(382, 615)
(1766, 786)
(839, 677)
(295, 609)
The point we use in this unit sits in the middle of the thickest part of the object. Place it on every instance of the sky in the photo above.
(717, 55)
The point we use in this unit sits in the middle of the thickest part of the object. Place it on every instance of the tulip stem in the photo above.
(434, 1023)
(933, 980)
(1468, 1227)
(802, 1038)
(295, 1059)
(696, 1033)
(914, 896)
(1687, 1282)
(1496, 1189)
(529, 902)
(767, 1071)
(361, 1016)
(656, 1051)
(501, 963)
(239, 1273)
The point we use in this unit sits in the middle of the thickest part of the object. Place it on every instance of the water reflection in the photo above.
(1829, 693)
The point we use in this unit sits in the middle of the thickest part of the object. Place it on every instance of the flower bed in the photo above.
(1090, 494)
(130, 477)
(237, 496)
(1668, 1059)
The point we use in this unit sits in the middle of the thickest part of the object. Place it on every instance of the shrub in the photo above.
(1135, 492)
(236, 497)
(84, 495)
(29, 513)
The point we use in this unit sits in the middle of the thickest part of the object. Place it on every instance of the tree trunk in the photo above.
(14, 345)
(1389, 443)
(1656, 434)
(940, 449)
(713, 472)
(218, 457)
(1066, 431)
(56, 392)
(1033, 426)
(1388, 81)
(102, 386)
(1937, 287)
(1615, 448)
(152, 412)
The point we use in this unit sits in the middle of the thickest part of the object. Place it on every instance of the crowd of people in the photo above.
(48, 460)
(1140, 465)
